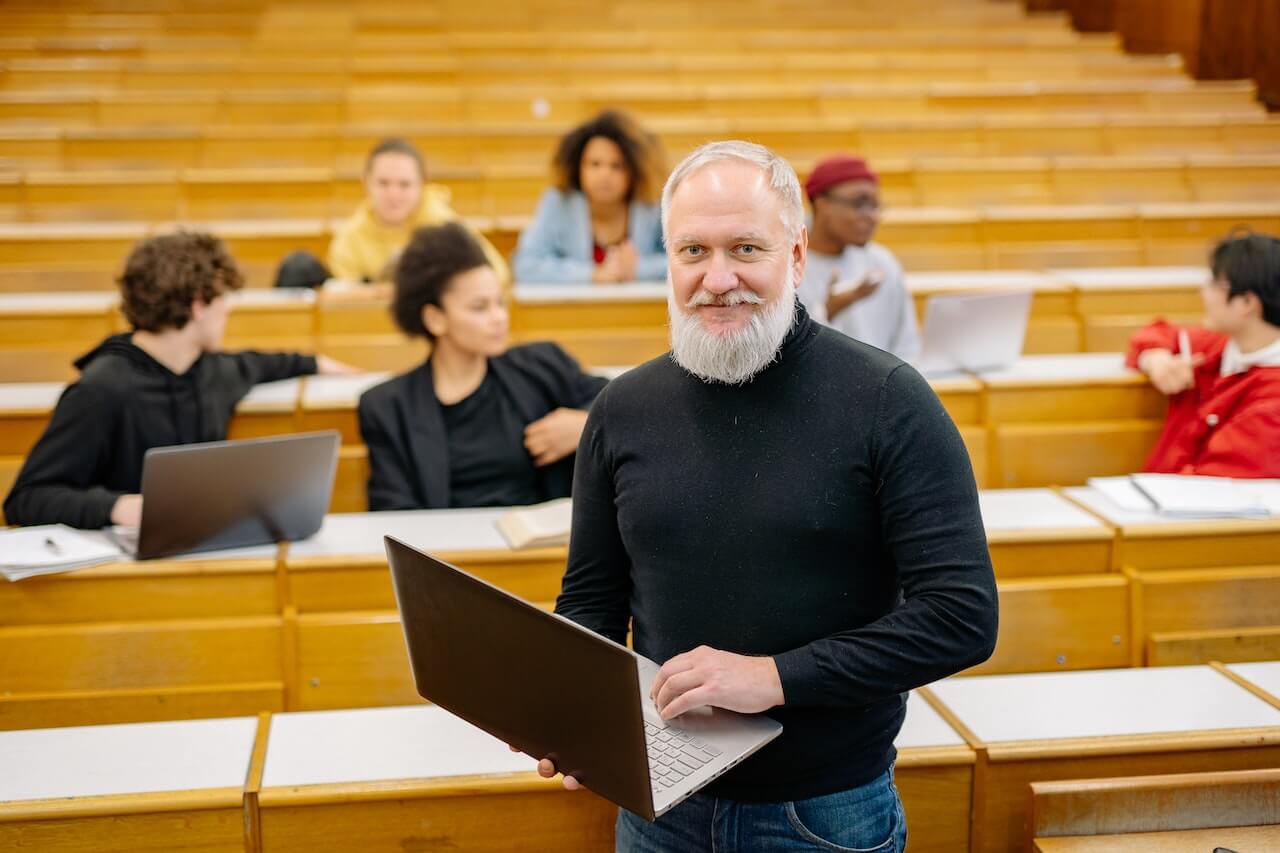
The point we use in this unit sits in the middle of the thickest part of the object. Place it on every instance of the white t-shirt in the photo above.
(886, 319)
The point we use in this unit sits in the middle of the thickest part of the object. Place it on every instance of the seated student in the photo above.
(165, 383)
(477, 424)
(397, 200)
(852, 283)
(600, 222)
(1223, 381)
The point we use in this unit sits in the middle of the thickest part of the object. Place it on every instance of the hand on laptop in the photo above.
(127, 511)
(547, 770)
(707, 676)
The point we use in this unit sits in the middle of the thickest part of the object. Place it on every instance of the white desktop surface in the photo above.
(360, 533)
(71, 300)
(932, 282)
(252, 552)
(1264, 674)
(374, 744)
(637, 291)
(1102, 703)
(1031, 509)
(273, 296)
(1069, 366)
(282, 394)
(327, 391)
(925, 727)
(1132, 278)
(29, 395)
(133, 758)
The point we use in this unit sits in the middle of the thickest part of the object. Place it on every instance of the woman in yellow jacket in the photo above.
(397, 200)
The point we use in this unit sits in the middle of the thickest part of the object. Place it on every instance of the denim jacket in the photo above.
(556, 247)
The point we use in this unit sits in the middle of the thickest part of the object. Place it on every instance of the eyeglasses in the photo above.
(860, 203)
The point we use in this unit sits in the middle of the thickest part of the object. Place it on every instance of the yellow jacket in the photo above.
(362, 246)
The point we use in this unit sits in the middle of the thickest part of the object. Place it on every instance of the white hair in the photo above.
(733, 358)
(782, 178)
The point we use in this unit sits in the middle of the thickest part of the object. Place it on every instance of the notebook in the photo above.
(542, 525)
(1191, 496)
(49, 548)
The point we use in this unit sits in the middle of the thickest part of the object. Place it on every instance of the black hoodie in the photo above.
(124, 404)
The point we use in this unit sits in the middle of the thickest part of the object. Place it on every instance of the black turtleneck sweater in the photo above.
(124, 404)
(825, 514)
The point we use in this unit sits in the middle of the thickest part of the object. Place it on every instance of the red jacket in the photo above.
(1226, 426)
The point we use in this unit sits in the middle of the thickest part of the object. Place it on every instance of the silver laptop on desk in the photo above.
(973, 331)
(551, 688)
(233, 494)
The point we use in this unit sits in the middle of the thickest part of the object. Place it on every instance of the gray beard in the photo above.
(735, 358)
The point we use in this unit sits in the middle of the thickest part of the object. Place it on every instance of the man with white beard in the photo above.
(786, 517)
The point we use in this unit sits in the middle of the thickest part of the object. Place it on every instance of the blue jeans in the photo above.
(866, 818)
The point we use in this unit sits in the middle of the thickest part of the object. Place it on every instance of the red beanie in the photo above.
(837, 170)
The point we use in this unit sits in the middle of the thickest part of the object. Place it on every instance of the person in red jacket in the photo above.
(1223, 381)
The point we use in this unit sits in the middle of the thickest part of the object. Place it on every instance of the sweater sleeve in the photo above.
(59, 481)
(538, 258)
(932, 527)
(389, 487)
(596, 589)
(258, 367)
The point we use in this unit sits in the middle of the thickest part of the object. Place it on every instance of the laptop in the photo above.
(233, 494)
(551, 688)
(973, 331)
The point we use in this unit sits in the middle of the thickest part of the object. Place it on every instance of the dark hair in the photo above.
(164, 275)
(396, 145)
(640, 150)
(435, 254)
(1250, 263)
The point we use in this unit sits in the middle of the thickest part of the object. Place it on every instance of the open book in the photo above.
(538, 526)
(48, 548)
(1182, 496)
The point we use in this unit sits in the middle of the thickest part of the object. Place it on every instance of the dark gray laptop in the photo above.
(233, 494)
(554, 689)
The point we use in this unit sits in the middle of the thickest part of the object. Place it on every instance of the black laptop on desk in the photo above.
(233, 494)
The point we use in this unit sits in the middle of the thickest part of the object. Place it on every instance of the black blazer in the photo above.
(403, 426)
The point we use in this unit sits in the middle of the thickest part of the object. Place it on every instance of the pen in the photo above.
(51, 545)
(1184, 346)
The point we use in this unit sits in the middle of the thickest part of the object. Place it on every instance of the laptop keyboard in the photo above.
(673, 755)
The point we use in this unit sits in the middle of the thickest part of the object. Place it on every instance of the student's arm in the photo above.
(538, 258)
(596, 589)
(60, 480)
(1156, 351)
(933, 530)
(388, 487)
(256, 367)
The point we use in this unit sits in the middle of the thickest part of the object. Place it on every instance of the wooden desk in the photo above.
(1079, 725)
(386, 778)
(935, 779)
(1179, 841)
(41, 334)
(1058, 420)
(24, 411)
(268, 409)
(1052, 326)
(598, 324)
(1151, 541)
(144, 786)
(1262, 675)
(1115, 302)
(329, 402)
(1037, 532)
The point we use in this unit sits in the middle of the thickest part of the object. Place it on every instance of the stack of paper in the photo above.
(1181, 496)
(45, 549)
(538, 526)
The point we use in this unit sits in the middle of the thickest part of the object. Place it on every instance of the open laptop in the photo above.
(973, 331)
(232, 494)
(554, 689)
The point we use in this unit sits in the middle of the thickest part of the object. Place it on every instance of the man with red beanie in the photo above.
(852, 283)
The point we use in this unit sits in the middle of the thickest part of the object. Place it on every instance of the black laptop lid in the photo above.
(544, 685)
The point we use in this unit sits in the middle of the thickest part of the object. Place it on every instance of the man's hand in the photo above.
(326, 366)
(1169, 373)
(554, 436)
(840, 297)
(547, 770)
(707, 676)
(127, 511)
